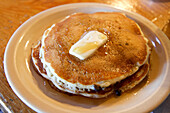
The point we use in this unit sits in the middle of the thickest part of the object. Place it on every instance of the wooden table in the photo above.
(14, 12)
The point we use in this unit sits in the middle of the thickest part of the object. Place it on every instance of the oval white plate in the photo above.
(34, 91)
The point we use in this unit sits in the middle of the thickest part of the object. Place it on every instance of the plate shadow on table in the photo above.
(160, 0)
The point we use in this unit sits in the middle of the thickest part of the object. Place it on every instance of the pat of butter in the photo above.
(87, 45)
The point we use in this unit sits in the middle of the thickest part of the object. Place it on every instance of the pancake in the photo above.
(125, 51)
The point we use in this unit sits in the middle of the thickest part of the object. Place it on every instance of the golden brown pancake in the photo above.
(125, 54)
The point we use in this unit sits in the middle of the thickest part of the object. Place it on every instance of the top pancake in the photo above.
(122, 55)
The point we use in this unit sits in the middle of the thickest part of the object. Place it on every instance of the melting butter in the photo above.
(87, 45)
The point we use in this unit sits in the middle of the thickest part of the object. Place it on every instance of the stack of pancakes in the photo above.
(117, 66)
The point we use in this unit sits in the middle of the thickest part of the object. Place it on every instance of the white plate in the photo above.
(35, 92)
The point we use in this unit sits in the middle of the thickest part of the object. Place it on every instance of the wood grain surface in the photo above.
(14, 12)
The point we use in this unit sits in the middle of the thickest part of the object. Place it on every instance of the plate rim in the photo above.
(50, 10)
